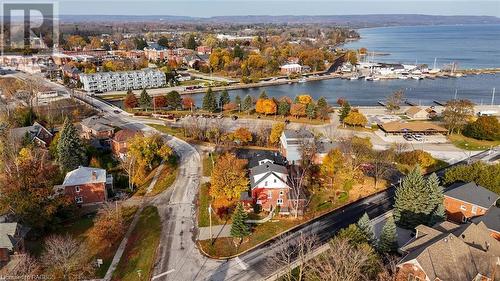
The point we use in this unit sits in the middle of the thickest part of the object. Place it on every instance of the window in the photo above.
(270, 194)
(265, 183)
(463, 208)
(474, 209)
(274, 180)
(79, 199)
(77, 189)
(280, 201)
(281, 193)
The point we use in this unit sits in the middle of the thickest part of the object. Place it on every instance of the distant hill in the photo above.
(345, 20)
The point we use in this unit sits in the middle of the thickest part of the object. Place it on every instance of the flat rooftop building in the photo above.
(123, 80)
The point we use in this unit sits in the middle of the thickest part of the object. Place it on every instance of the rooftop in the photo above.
(85, 175)
(400, 127)
(298, 134)
(491, 219)
(472, 193)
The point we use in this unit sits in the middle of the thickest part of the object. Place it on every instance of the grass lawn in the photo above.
(167, 130)
(467, 143)
(203, 202)
(279, 118)
(224, 247)
(208, 164)
(140, 252)
(166, 179)
(192, 82)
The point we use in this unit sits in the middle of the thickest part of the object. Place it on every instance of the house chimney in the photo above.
(94, 175)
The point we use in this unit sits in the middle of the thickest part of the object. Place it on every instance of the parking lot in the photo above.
(438, 138)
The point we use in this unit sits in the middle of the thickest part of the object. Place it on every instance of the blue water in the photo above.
(471, 46)
(477, 88)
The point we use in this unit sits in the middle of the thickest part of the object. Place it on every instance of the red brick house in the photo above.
(448, 251)
(87, 185)
(119, 141)
(269, 187)
(464, 201)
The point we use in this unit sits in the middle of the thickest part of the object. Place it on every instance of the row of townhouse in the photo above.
(123, 80)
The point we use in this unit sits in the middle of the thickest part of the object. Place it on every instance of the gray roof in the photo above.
(33, 131)
(268, 167)
(96, 123)
(298, 134)
(491, 219)
(456, 255)
(472, 193)
(85, 175)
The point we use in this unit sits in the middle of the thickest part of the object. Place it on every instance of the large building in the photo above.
(124, 80)
(87, 185)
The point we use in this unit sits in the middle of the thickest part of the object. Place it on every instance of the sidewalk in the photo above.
(218, 231)
(123, 244)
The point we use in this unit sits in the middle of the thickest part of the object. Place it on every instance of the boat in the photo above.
(402, 77)
(368, 78)
(355, 77)
(416, 77)
(302, 80)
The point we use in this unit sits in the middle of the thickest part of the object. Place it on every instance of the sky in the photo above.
(209, 8)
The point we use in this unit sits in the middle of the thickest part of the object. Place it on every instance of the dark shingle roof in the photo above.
(472, 193)
(274, 156)
(268, 167)
(296, 134)
(491, 219)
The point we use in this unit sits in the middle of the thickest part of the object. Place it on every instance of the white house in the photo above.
(291, 142)
(123, 80)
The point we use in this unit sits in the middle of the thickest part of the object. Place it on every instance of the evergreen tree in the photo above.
(283, 108)
(224, 98)
(353, 234)
(239, 229)
(247, 103)
(145, 99)
(70, 150)
(322, 108)
(238, 52)
(388, 237)
(344, 111)
(311, 111)
(366, 227)
(174, 100)
(237, 100)
(263, 95)
(418, 201)
(209, 101)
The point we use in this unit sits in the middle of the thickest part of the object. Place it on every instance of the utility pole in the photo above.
(210, 220)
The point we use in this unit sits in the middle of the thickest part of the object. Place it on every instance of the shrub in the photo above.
(422, 158)
(484, 128)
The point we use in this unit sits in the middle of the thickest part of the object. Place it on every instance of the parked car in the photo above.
(407, 137)
(234, 117)
(418, 137)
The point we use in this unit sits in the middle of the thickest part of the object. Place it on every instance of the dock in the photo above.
(382, 103)
(411, 103)
(441, 103)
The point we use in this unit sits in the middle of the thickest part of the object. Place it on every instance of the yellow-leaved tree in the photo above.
(276, 132)
(143, 154)
(228, 180)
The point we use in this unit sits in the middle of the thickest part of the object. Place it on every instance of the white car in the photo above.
(418, 137)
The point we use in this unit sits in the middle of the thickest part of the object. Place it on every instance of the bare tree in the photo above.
(62, 255)
(381, 164)
(25, 265)
(297, 179)
(394, 100)
(389, 268)
(342, 262)
(293, 252)
(128, 164)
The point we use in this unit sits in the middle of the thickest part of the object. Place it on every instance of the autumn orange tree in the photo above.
(304, 99)
(228, 180)
(188, 103)
(131, 100)
(298, 110)
(242, 135)
(265, 106)
(276, 132)
(159, 101)
(107, 230)
(355, 118)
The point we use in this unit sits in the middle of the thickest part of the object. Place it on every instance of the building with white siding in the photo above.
(123, 80)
